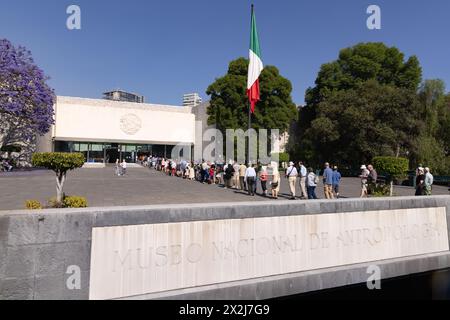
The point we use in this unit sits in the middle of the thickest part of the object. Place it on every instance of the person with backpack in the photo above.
(311, 183)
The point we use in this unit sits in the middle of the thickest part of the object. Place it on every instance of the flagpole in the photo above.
(249, 108)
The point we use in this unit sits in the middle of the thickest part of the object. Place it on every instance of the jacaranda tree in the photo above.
(26, 100)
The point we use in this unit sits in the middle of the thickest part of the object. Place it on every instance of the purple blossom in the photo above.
(24, 92)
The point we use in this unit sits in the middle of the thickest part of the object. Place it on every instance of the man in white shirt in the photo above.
(303, 174)
(291, 175)
(250, 177)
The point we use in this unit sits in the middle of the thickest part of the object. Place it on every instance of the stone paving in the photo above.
(141, 186)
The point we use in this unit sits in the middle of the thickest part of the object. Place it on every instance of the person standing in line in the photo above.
(263, 177)
(303, 173)
(336, 181)
(124, 167)
(236, 175)
(311, 182)
(242, 169)
(203, 171)
(250, 177)
(371, 179)
(429, 180)
(364, 176)
(212, 173)
(228, 175)
(328, 181)
(420, 182)
(291, 175)
(276, 181)
(191, 172)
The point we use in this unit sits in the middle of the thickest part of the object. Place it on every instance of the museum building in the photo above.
(107, 130)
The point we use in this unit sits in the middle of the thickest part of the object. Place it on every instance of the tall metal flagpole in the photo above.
(249, 105)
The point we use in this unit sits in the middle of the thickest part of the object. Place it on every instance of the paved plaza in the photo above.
(142, 186)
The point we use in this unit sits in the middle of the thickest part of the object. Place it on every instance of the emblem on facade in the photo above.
(130, 124)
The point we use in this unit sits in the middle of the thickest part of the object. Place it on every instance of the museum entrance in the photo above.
(112, 154)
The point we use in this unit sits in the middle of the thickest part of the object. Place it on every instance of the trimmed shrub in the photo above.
(60, 163)
(75, 202)
(394, 168)
(33, 205)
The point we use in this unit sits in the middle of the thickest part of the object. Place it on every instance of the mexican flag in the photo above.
(255, 68)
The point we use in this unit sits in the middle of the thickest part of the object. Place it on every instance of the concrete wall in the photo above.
(36, 248)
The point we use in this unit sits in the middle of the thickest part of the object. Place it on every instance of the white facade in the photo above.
(78, 119)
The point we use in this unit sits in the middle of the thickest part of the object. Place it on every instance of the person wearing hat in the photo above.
(364, 175)
(291, 175)
(420, 182)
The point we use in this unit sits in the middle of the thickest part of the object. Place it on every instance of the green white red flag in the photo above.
(255, 67)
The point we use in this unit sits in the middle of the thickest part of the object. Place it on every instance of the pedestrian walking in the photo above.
(124, 167)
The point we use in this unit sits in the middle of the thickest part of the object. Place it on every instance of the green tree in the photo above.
(60, 163)
(353, 126)
(432, 96)
(229, 103)
(363, 104)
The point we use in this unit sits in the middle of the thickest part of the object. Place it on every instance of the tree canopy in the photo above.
(367, 103)
(363, 62)
(229, 103)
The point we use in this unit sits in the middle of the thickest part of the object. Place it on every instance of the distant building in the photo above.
(120, 95)
(191, 100)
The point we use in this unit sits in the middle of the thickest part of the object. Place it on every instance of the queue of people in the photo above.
(240, 176)
(232, 175)
(424, 181)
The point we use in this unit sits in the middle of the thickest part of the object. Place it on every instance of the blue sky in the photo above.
(162, 49)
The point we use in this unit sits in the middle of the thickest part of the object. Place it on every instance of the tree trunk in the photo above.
(391, 192)
(60, 179)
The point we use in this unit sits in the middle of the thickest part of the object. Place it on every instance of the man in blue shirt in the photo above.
(336, 181)
(328, 181)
